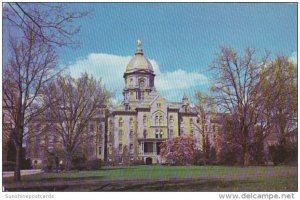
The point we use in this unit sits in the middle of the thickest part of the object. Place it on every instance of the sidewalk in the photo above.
(23, 172)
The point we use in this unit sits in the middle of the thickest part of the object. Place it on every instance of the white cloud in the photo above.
(293, 57)
(110, 69)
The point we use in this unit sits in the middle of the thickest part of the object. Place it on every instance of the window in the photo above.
(214, 128)
(158, 105)
(109, 137)
(161, 134)
(131, 134)
(144, 120)
(131, 82)
(120, 134)
(192, 132)
(171, 119)
(120, 147)
(100, 150)
(142, 83)
(131, 122)
(131, 148)
(156, 133)
(120, 122)
(156, 120)
(148, 147)
(171, 133)
(145, 133)
(142, 95)
(160, 120)
(191, 122)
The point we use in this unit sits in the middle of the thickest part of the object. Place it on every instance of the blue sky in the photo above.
(180, 39)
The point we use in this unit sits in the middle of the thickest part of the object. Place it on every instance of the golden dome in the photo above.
(139, 62)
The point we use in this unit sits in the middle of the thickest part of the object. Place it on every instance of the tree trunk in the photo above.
(17, 173)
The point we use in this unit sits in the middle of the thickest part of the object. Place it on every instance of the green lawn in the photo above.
(165, 178)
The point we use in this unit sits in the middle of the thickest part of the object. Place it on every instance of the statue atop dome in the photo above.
(139, 43)
(139, 48)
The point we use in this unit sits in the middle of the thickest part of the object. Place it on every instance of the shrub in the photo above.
(179, 150)
(94, 164)
(78, 162)
(283, 153)
(26, 164)
(9, 166)
(228, 157)
(138, 162)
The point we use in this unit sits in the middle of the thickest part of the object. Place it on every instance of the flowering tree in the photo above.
(179, 151)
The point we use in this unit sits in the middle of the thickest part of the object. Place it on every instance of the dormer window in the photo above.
(142, 83)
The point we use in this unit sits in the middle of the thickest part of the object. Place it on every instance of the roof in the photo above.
(139, 62)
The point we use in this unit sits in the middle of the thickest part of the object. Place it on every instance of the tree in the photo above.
(35, 30)
(235, 81)
(72, 104)
(205, 109)
(179, 151)
(29, 68)
(51, 22)
(276, 114)
(278, 88)
(126, 155)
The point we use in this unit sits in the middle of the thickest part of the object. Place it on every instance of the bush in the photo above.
(283, 153)
(94, 164)
(138, 162)
(78, 162)
(228, 157)
(9, 166)
(26, 164)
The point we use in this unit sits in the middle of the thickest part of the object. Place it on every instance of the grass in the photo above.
(164, 178)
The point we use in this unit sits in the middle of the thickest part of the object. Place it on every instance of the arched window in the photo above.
(131, 122)
(145, 133)
(156, 119)
(142, 83)
(156, 133)
(120, 122)
(120, 134)
(171, 119)
(131, 134)
(144, 119)
(171, 133)
(161, 134)
(109, 137)
(160, 120)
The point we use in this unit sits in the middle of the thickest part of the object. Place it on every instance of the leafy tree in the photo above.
(179, 151)
(72, 104)
(126, 155)
(235, 80)
(278, 88)
(203, 117)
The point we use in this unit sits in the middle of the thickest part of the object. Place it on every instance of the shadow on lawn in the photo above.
(177, 186)
(72, 178)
